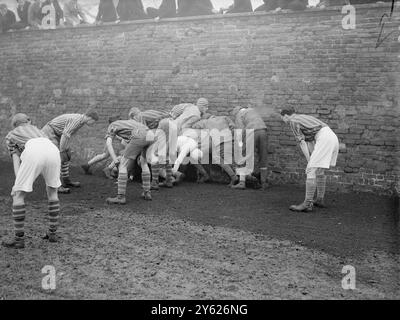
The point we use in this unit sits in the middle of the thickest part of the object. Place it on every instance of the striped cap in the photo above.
(202, 102)
(19, 119)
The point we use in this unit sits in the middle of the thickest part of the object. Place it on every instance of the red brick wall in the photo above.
(335, 74)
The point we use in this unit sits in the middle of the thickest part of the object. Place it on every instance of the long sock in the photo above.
(54, 214)
(122, 181)
(321, 185)
(65, 170)
(168, 171)
(155, 172)
(146, 180)
(311, 185)
(18, 213)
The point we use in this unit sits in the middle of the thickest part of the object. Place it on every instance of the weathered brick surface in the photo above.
(269, 61)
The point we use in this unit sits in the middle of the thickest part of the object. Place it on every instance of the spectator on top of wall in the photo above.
(128, 10)
(194, 8)
(107, 12)
(167, 9)
(57, 8)
(240, 6)
(22, 10)
(35, 14)
(74, 14)
(7, 18)
(269, 5)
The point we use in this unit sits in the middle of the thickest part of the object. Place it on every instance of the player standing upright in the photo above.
(33, 154)
(59, 131)
(320, 146)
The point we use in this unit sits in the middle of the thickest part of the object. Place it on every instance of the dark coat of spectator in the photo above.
(74, 14)
(22, 11)
(240, 6)
(35, 15)
(130, 10)
(7, 18)
(194, 7)
(107, 11)
(57, 8)
(167, 9)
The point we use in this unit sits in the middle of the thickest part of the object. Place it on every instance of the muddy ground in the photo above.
(202, 242)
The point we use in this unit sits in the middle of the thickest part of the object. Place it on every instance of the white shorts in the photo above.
(325, 151)
(40, 157)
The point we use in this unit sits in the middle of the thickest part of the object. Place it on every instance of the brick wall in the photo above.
(303, 60)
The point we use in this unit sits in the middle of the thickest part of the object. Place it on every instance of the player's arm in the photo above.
(64, 142)
(110, 149)
(304, 148)
(16, 162)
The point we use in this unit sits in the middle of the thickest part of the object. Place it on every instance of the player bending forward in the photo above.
(320, 146)
(33, 154)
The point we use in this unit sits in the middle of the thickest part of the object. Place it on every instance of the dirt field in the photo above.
(202, 242)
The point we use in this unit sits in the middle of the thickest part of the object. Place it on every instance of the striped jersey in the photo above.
(151, 118)
(67, 124)
(178, 109)
(17, 138)
(122, 129)
(305, 127)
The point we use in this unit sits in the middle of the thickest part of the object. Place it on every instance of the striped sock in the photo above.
(311, 185)
(146, 180)
(155, 172)
(54, 214)
(168, 171)
(65, 170)
(122, 181)
(321, 185)
(18, 214)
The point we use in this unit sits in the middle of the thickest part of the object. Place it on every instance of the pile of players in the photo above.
(150, 137)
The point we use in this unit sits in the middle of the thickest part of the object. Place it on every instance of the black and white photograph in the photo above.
(217, 151)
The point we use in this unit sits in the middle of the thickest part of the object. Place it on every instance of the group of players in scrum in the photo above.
(46, 152)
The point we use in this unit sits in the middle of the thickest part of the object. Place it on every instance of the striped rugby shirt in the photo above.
(17, 138)
(123, 129)
(67, 124)
(151, 118)
(305, 127)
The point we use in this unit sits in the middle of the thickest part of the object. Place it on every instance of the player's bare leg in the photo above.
(54, 214)
(94, 160)
(18, 214)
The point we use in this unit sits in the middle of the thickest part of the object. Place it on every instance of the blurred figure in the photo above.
(35, 15)
(22, 10)
(194, 8)
(129, 10)
(57, 8)
(7, 18)
(74, 14)
(167, 9)
(107, 12)
(240, 6)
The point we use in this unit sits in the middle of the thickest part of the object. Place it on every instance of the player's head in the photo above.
(19, 119)
(91, 117)
(133, 112)
(202, 104)
(286, 113)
